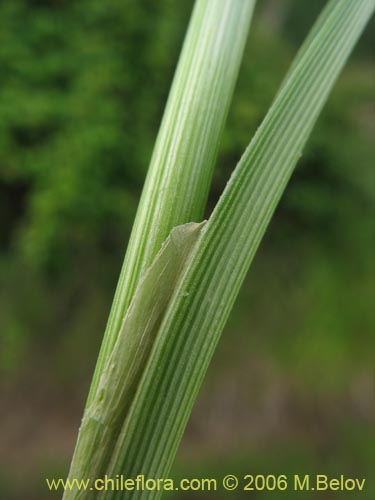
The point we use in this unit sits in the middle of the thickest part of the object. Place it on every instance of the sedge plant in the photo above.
(180, 278)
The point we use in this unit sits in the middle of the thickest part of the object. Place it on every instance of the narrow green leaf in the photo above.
(201, 304)
(181, 167)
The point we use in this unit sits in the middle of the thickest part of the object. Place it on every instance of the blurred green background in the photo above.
(82, 90)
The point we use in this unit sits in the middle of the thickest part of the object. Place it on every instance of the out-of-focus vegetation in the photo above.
(82, 89)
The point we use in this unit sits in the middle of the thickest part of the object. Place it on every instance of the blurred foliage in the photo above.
(82, 90)
(83, 87)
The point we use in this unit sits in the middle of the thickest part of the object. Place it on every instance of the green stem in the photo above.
(182, 163)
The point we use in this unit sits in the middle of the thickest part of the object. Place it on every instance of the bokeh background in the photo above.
(82, 90)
